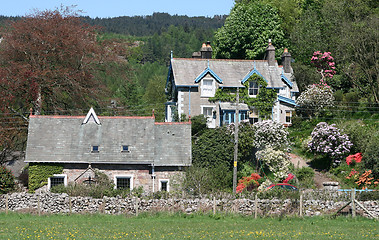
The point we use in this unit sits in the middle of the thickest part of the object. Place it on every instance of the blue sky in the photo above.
(115, 8)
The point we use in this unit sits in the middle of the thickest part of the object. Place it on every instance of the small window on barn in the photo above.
(164, 185)
(124, 148)
(123, 182)
(56, 180)
(95, 149)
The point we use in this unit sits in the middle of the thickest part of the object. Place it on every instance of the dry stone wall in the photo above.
(53, 203)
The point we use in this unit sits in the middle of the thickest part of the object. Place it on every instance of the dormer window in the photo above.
(207, 88)
(253, 89)
(95, 149)
(124, 148)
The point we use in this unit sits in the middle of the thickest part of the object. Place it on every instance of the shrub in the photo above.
(7, 180)
(328, 140)
(270, 134)
(371, 156)
(305, 177)
(277, 161)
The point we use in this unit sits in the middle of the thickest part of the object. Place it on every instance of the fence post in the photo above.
(69, 204)
(136, 207)
(353, 213)
(38, 205)
(256, 206)
(301, 203)
(214, 206)
(6, 204)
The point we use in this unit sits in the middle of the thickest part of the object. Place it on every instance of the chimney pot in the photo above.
(286, 61)
(270, 54)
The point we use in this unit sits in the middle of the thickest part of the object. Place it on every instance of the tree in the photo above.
(247, 30)
(46, 60)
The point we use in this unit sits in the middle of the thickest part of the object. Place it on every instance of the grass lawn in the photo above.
(180, 226)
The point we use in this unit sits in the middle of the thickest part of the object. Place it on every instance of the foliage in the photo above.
(263, 102)
(198, 125)
(277, 162)
(248, 183)
(305, 176)
(324, 64)
(315, 99)
(7, 180)
(246, 32)
(329, 140)
(371, 155)
(270, 134)
(201, 180)
(47, 57)
(40, 172)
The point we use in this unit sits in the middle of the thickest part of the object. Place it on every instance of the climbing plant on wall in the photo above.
(40, 172)
(263, 101)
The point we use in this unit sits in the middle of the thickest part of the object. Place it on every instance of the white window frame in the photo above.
(164, 180)
(95, 151)
(123, 176)
(251, 113)
(285, 116)
(208, 93)
(122, 148)
(57, 175)
(254, 95)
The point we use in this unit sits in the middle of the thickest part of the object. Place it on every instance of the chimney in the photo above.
(206, 50)
(286, 61)
(270, 54)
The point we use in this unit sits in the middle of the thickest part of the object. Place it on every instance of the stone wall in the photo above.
(52, 203)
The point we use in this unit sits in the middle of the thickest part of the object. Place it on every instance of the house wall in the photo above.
(142, 174)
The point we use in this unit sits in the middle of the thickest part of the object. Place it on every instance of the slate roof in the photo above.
(64, 139)
(231, 72)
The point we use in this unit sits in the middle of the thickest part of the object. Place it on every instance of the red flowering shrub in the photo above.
(248, 183)
(352, 159)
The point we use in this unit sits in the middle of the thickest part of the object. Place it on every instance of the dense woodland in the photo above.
(128, 62)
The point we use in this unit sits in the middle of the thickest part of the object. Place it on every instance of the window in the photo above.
(208, 112)
(207, 88)
(253, 116)
(125, 148)
(95, 149)
(288, 116)
(164, 185)
(57, 179)
(123, 182)
(253, 89)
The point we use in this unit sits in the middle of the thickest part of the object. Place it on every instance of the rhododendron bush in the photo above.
(329, 140)
(277, 162)
(248, 183)
(270, 134)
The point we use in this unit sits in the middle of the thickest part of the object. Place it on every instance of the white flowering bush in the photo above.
(329, 140)
(315, 98)
(277, 162)
(264, 185)
(270, 134)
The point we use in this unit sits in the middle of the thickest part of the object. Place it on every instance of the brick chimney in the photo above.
(270, 54)
(206, 50)
(286, 61)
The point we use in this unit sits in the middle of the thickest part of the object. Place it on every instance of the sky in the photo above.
(116, 8)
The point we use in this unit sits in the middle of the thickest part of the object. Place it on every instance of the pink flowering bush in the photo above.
(328, 139)
(324, 64)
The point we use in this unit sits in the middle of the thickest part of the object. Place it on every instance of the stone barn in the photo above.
(131, 151)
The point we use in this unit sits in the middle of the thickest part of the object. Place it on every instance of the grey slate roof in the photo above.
(64, 139)
(232, 72)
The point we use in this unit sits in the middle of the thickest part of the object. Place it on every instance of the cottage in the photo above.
(132, 151)
(192, 81)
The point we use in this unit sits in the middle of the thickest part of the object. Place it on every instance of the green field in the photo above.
(25, 226)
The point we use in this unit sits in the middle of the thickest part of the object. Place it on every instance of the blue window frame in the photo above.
(228, 116)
